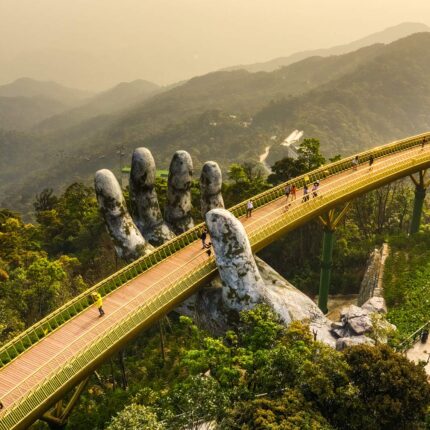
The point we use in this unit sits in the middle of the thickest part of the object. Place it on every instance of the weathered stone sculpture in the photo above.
(245, 284)
(128, 241)
(178, 208)
(143, 198)
(244, 280)
(210, 187)
(236, 265)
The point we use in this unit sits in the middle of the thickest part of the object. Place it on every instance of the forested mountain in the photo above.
(20, 113)
(349, 102)
(26, 102)
(122, 96)
(385, 99)
(385, 36)
(26, 87)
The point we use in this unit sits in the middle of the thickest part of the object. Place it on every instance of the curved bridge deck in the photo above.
(43, 372)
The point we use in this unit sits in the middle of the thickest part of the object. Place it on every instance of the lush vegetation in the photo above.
(258, 376)
(43, 265)
(407, 281)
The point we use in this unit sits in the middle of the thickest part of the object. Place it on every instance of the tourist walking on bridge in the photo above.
(293, 192)
(249, 207)
(203, 237)
(355, 163)
(371, 159)
(305, 194)
(99, 303)
(315, 188)
(287, 191)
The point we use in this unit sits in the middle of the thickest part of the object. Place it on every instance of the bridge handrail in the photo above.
(171, 293)
(412, 338)
(63, 368)
(76, 305)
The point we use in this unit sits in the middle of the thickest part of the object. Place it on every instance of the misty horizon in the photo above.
(94, 45)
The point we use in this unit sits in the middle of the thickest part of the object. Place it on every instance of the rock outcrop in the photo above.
(210, 187)
(143, 198)
(128, 241)
(357, 322)
(178, 207)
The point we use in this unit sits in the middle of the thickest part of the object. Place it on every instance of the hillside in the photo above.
(23, 112)
(237, 92)
(26, 102)
(385, 99)
(122, 96)
(349, 102)
(26, 87)
(388, 35)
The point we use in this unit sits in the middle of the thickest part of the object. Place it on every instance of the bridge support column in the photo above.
(420, 194)
(330, 222)
(58, 415)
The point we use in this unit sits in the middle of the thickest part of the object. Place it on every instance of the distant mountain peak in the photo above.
(29, 87)
(385, 36)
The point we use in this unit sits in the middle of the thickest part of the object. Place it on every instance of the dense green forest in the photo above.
(407, 281)
(350, 102)
(258, 376)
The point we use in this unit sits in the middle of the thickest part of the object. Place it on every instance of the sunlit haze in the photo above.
(94, 44)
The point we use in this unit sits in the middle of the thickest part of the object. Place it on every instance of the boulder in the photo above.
(356, 319)
(375, 304)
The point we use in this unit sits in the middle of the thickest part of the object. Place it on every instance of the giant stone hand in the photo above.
(243, 281)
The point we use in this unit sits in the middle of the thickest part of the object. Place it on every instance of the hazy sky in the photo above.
(96, 43)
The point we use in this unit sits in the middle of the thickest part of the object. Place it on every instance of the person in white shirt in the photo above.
(249, 207)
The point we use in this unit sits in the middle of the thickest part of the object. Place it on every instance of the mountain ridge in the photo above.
(28, 87)
(388, 35)
(120, 97)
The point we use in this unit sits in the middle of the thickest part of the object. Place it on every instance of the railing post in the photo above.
(420, 194)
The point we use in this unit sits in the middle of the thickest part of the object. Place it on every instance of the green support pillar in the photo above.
(420, 194)
(326, 263)
(330, 221)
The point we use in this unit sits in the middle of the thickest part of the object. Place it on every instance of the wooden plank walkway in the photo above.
(22, 374)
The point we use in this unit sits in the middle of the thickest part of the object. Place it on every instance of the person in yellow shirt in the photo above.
(99, 303)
